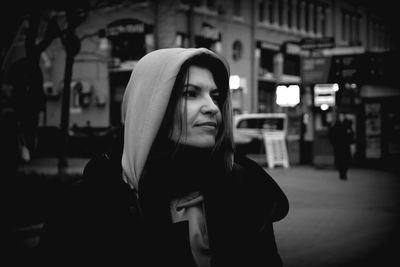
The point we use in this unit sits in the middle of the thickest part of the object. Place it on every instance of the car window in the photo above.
(251, 123)
(272, 124)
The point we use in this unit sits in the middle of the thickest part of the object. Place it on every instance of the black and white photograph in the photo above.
(200, 133)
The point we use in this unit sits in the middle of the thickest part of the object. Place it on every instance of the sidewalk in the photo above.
(48, 166)
(330, 222)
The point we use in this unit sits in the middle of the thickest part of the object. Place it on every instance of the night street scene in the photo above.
(314, 96)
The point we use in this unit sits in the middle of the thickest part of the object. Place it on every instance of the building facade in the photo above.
(294, 44)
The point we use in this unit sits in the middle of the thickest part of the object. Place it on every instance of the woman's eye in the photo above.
(215, 96)
(189, 93)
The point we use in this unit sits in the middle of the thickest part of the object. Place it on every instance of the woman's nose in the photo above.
(209, 105)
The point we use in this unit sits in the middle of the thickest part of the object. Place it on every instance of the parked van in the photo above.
(248, 130)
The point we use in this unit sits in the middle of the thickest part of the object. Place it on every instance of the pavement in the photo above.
(331, 222)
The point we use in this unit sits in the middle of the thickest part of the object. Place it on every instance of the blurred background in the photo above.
(65, 65)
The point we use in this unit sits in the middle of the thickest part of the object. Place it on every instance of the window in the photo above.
(237, 49)
(344, 26)
(289, 14)
(261, 14)
(266, 96)
(271, 9)
(315, 19)
(261, 123)
(291, 64)
(299, 14)
(237, 8)
(280, 12)
(307, 18)
(323, 21)
(267, 60)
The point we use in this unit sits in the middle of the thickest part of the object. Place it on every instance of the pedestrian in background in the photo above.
(181, 197)
(342, 137)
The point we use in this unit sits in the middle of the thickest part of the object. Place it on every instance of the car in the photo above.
(249, 129)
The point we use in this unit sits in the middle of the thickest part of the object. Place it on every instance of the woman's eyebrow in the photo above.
(197, 87)
(192, 85)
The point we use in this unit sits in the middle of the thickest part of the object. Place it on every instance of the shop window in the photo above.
(291, 65)
(266, 97)
(237, 49)
(266, 61)
(128, 39)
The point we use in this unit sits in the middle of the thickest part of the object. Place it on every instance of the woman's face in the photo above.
(201, 114)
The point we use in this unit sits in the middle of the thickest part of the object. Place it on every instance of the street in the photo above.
(331, 222)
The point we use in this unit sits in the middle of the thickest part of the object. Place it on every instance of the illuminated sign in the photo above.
(287, 96)
(324, 94)
(127, 26)
(234, 82)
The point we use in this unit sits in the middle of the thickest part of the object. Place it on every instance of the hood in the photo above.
(145, 102)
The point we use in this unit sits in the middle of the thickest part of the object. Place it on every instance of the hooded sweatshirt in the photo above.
(144, 105)
(145, 102)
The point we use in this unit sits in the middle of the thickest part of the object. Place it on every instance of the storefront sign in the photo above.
(126, 26)
(128, 40)
(315, 69)
(346, 68)
(287, 96)
(317, 43)
(324, 94)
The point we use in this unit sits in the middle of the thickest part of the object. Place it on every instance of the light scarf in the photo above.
(191, 208)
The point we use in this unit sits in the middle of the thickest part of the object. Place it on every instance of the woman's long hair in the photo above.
(224, 144)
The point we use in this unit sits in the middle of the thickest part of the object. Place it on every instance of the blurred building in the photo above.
(325, 56)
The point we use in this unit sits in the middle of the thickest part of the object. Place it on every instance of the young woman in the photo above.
(181, 197)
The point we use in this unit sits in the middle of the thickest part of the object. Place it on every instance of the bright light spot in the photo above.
(234, 82)
(335, 87)
(325, 94)
(324, 107)
(287, 96)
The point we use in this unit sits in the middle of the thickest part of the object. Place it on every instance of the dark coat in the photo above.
(341, 136)
(98, 221)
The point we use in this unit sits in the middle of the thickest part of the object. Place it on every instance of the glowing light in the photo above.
(234, 82)
(325, 94)
(287, 96)
(324, 107)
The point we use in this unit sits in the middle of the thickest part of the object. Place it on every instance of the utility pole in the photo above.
(253, 62)
(72, 45)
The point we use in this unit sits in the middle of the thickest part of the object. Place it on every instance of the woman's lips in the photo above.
(207, 124)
